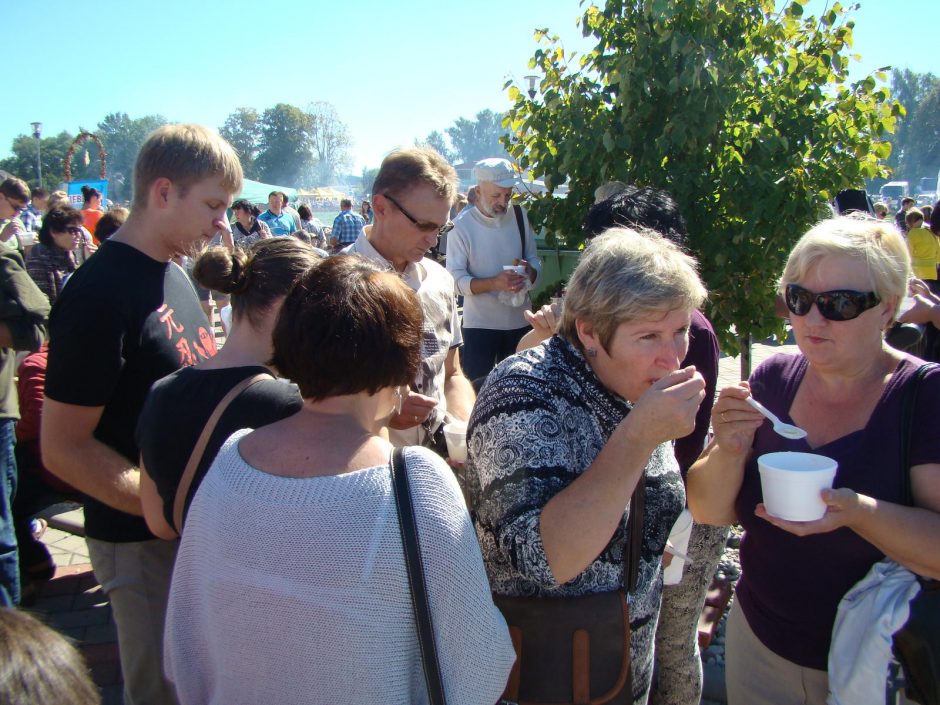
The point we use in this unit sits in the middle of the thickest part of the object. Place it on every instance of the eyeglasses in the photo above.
(836, 305)
(422, 225)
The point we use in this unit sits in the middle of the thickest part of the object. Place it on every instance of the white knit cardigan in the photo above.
(294, 590)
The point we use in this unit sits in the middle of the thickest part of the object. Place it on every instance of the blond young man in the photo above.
(128, 317)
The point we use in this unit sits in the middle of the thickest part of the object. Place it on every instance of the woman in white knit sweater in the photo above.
(290, 584)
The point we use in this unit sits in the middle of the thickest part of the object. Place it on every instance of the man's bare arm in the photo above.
(70, 451)
(458, 391)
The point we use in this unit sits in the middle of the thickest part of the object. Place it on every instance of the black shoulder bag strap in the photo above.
(635, 533)
(419, 590)
(517, 209)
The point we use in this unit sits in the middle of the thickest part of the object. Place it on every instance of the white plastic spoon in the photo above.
(784, 429)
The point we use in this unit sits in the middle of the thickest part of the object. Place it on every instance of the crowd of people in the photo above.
(239, 505)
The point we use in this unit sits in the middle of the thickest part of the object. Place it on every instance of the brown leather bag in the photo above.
(575, 650)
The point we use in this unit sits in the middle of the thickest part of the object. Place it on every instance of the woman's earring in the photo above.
(398, 400)
(591, 352)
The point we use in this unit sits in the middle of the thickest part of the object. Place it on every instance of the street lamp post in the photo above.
(37, 133)
(530, 80)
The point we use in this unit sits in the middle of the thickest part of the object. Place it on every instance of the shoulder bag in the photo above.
(199, 450)
(917, 643)
(575, 649)
(415, 569)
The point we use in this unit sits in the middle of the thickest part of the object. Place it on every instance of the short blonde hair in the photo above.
(626, 275)
(185, 154)
(874, 242)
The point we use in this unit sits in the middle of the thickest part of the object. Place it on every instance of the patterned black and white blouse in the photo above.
(540, 420)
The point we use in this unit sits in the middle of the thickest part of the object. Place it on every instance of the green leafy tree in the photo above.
(284, 154)
(438, 142)
(744, 114)
(330, 141)
(243, 131)
(920, 151)
(22, 162)
(368, 178)
(122, 137)
(478, 138)
(909, 88)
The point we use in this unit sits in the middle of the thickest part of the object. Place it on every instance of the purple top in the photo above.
(790, 586)
(703, 353)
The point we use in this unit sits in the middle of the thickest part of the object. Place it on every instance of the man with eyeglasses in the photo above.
(487, 242)
(411, 200)
(346, 226)
(14, 197)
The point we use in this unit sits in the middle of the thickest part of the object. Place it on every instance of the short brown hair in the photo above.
(403, 169)
(39, 665)
(255, 277)
(348, 327)
(110, 223)
(185, 154)
(15, 188)
(912, 216)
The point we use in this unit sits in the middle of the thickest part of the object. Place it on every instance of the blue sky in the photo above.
(395, 71)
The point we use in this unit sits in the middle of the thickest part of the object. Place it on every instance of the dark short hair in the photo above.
(57, 220)
(89, 192)
(40, 192)
(345, 203)
(39, 665)
(255, 277)
(274, 193)
(242, 205)
(643, 208)
(15, 188)
(303, 210)
(110, 222)
(284, 199)
(908, 199)
(348, 327)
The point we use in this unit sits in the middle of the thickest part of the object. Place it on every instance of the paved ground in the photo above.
(73, 602)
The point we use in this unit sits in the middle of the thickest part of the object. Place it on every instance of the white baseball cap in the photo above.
(496, 171)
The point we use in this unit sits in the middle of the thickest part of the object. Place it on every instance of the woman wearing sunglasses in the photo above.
(51, 260)
(842, 284)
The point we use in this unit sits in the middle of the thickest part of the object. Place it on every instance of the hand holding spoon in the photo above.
(784, 429)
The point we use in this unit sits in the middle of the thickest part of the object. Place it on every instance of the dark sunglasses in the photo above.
(837, 305)
(422, 225)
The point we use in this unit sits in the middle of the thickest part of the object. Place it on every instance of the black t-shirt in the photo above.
(124, 321)
(178, 408)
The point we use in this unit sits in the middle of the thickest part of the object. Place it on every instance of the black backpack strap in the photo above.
(517, 209)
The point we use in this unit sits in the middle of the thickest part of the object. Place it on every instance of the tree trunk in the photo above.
(744, 342)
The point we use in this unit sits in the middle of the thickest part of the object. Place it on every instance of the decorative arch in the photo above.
(102, 155)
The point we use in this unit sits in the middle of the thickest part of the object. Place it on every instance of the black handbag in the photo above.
(917, 643)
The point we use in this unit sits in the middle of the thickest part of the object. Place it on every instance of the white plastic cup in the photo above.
(792, 482)
(679, 540)
(455, 433)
